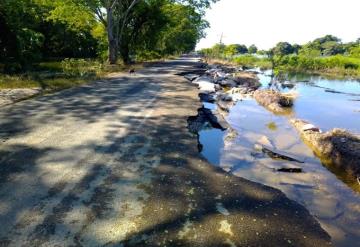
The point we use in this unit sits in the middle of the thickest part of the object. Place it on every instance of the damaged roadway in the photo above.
(112, 163)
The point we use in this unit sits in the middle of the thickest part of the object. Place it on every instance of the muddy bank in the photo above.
(10, 96)
(278, 103)
(336, 147)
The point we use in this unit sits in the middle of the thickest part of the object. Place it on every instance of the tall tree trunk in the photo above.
(124, 51)
(112, 40)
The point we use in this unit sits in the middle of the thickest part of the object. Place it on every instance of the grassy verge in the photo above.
(253, 61)
(338, 66)
(333, 66)
(53, 76)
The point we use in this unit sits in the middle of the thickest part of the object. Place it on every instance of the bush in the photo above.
(253, 61)
(80, 67)
(338, 63)
(147, 55)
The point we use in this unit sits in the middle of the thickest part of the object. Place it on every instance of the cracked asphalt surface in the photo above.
(112, 163)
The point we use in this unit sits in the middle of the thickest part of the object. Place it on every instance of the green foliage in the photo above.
(355, 51)
(231, 50)
(338, 63)
(224, 51)
(323, 55)
(73, 14)
(331, 48)
(252, 49)
(79, 67)
(147, 56)
(29, 44)
(35, 29)
(282, 49)
(252, 61)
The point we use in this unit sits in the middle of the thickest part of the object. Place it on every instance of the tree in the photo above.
(252, 49)
(282, 49)
(242, 49)
(164, 28)
(118, 17)
(231, 50)
(218, 50)
(355, 51)
(327, 38)
(331, 48)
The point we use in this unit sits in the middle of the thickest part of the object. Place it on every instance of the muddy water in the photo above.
(330, 196)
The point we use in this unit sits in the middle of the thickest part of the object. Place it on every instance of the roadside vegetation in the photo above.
(326, 55)
(54, 44)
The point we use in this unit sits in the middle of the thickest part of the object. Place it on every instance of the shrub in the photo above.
(80, 67)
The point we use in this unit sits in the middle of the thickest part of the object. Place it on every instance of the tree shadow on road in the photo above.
(144, 185)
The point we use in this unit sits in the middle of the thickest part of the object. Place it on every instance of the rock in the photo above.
(224, 97)
(191, 77)
(287, 84)
(247, 79)
(227, 83)
(311, 127)
(220, 74)
(206, 97)
(225, 105)
(231, 134)
(217, 87)
(274, 101)
(264, 140)
(336, 148)
(205, 116)
(202, 79)
(205, 84)
(207, 87)
(240, 92)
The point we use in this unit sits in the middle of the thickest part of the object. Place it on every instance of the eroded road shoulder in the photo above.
(113, 164)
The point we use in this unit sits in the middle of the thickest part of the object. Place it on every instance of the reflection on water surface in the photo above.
(327, 193)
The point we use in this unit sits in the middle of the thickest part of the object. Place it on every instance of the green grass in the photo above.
(57, 75)
(25, 81)
(252, 61)
(339, 65)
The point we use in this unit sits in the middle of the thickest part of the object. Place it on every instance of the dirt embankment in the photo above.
(278, 103)
(10, 96)
(336, 147)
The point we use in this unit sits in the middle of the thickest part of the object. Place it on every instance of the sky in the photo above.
(267, 22)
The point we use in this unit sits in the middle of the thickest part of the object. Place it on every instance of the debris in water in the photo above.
(225, 227)
(186, 229)
(272, 126)
(311, 127)
(221, 209)
(290, 170)
(276, 154)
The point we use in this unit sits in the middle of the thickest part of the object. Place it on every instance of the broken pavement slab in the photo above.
(336, 147)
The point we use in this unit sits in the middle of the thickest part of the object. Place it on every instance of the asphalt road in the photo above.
(112, 163)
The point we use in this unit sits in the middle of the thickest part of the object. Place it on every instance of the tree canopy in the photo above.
(32, 30)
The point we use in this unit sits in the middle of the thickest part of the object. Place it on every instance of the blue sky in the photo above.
(266, 22)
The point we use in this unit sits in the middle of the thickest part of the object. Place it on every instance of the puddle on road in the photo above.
(331, 197)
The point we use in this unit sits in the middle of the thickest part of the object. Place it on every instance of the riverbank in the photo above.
(226, 84)
(333, 67)
(264, 147)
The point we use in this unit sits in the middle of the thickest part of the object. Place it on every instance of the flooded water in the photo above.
(329, 195)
